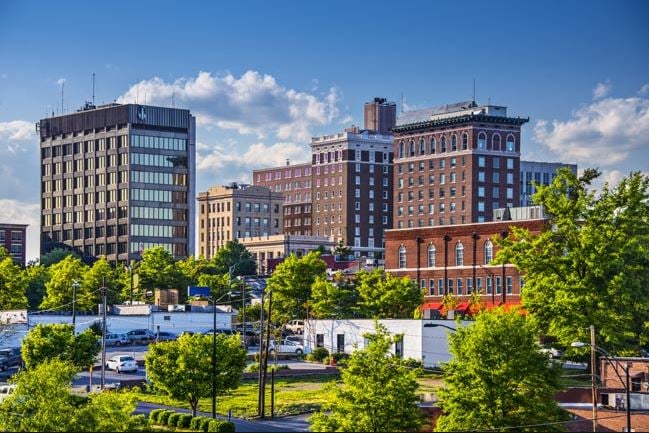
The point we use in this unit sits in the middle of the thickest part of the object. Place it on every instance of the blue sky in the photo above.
(263, 77)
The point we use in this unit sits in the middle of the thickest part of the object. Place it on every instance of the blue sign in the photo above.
(203, 291)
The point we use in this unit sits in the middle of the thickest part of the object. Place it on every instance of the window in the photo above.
(431, 256)
(402, 257)
(489, 285)
(495, 139)
(510, 144)
(509, 283)
(453, 143)
(481, 161)
(319, 340)
(499, 285)
(510, 163)
(459, 254)
(442, 144)
(401, 150)
(432, 146)
(459, 286)
(482, 141)
(398, 346)
(469, 285)
(340, 343)
(422, 147)
(411, 148)
(431, 287)
(488, 252)
(465, 141)
(440, 287)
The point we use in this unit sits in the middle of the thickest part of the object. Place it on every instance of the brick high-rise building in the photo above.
(13, 237)
(455, 164)
(380, 116)
(117, 179)
(234, 212)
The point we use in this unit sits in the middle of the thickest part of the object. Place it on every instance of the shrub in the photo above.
(173, 419)
(340, 356)
(154, 414)
(163, 416)
(217, 425)
(252, 368)
(205, 422)
(319, 354)
(195, 423)
(412, 363)
(276, 367)
(184, 420)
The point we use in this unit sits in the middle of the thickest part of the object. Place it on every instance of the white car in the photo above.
(295, 326)
(286, 346)
(122, 363)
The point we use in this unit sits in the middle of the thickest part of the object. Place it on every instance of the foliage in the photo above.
(173, 419)
(94, 279)
(252, 312)
(195, 423)
(184, 420)
(57, 255)
(158, 270)
(498, 377)
(322, 250)
(183, 368)
(49, 341)
(204, 424)
(318, 354)
(13, 284)
(42, 401)
(342, 250)
(154, 414)
(237, 256)
(378, 392)
(217, 425)
(336, 298)
(163, 417)
(37, 277)
(590, 266)
(291, 284)
(192, 268)
(218, 284)
(59, 290)
(385, 296)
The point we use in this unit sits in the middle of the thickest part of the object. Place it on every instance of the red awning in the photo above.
(431, 306)
(462, 306)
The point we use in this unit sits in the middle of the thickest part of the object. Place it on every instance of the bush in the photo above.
(217, 425)
(276, 367)
(252, 368)
(154, 414)
(184, 420)
(163, 416)
(412, 363)
(319, 354)
(173, 419)
(205, 422)
(195, 423)
(340, 356)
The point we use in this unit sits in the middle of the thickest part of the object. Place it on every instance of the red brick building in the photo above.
(456, 259)
(455, 164)
(13, 237)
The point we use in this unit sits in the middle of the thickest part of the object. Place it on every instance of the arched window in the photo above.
(459, 254)
(511, 146)
(442, 144)
(453, 143)
(496, 141)
(482, 141)
(411, 148)
(402, 257)
(488, 252)
(432, 146)
(431, 256)
(465, 141)
(422, 147)
(402, 151)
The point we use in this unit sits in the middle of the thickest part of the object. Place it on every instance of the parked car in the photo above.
(122, 363)
(140, 336)
(165, 336)
(116, 339)
(10, 357)
(225, 331)
(296, 338)
(286, 347)
(552, 352)
(6, 390)
(295, 326)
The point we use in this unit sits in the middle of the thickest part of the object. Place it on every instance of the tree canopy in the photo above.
(13, 284)
(590, 266)
(158, 270)
(58, 341)
(378, 392)
(182, 368)
(334, 299)
(385, 296)
(101, 272)
(498, 377)
(234, 255)
(59, 290)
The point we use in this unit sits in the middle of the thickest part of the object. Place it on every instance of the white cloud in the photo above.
(15, 134)
(19, 212)
(19, 159)
(258, 155)
(605, 132)
(601, 90)
(61, 81)
(253, 103)
(644, 90)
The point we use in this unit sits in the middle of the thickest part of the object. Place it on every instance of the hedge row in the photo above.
(185, 420)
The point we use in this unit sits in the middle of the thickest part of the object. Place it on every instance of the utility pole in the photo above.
(103, 335)
(75, 285)
(593, 375)
(261, 351)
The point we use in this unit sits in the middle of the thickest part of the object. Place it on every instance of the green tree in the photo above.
(59, 290)
(158, 270)
(37, 277)
(218, 284)
(342, 250)
(183, 368)
(333, 299)
(101, 272)
(193, 268)
(590, 266)
(13, 283)
(498, 378)
(43, 402)
(234, 254)
(57, 341)
(56, 255)
(378, 392)
(291, 285)
(385, 296)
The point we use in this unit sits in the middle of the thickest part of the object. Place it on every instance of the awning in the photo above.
(462, 306)
(431, 306)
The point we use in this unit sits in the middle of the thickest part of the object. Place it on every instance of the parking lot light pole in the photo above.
(75, 286)
(214, 301)
(103, 336)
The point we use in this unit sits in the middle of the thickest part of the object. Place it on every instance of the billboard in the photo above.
(203, 291)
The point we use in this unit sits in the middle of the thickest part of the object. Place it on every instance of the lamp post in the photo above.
(493, 289)
(435, 325)
(231, 269)
(75, 286)
(214, 301)
(625, 383)
(263, 355)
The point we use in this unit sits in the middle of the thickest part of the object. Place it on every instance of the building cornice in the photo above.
(518, 121)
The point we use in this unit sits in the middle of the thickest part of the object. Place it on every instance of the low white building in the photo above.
(423, 340)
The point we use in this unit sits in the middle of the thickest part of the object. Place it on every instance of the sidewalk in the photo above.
(297, 423)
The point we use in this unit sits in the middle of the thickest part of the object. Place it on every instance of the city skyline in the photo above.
(263, 79)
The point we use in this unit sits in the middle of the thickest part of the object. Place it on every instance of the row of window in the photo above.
(457, 285)
(334, 156)
(158, 160)
(159, 178)
(159, 142)
(150, 195)
(152, 230)
(151, 213)
(288, 173)
(16, 236)
(439, 144)
(87, 146)
(459, 254)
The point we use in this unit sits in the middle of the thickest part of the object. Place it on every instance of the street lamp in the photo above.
(493, 289)
(625, 383)
(214, 301)
(231, 269)
(435, 325)
(75, 286)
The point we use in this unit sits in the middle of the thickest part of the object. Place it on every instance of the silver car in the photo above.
(116, 339)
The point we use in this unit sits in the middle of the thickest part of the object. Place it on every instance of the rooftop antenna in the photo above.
(402, 102)
(474, 90)
(137, 92)
(173, 95)
(93, 88)
(62, 87)
(144, 97)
